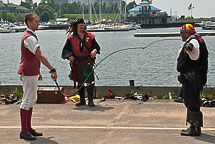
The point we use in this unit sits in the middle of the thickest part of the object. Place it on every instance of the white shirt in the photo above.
(194, 54)
(31, 42)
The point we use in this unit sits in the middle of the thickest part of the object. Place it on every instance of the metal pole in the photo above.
(83, 11)
(90, 10)
(120, 10)
(100, 10)
(125, 11)
(191, 13)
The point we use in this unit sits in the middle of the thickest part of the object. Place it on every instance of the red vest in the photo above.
(29, 64)
(75, 44)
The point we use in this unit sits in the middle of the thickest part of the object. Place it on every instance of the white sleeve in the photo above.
(194, 54)
(31, 43)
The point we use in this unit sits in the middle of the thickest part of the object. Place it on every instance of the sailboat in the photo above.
(97, 27)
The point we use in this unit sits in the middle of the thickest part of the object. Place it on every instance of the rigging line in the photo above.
(96, 65)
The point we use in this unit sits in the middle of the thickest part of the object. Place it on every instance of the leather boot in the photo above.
(27, 136)
(191, 131)
(196, 121)
(90, 95)
(82, 96)
(34, 133)
(198, 130)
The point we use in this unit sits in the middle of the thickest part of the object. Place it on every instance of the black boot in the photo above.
(27, 136)
(82, 96)
(196, 121)
(191, 131)
(34, 133)
(198, 130)
(90, 95)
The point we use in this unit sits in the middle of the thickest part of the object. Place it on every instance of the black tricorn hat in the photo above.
(74, 24)
(80, 21)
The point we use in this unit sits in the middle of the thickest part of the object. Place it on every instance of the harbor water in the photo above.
(153, 66)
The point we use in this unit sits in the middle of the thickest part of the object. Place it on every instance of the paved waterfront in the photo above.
(110, 122)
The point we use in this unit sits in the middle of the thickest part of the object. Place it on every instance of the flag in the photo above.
(190, 7)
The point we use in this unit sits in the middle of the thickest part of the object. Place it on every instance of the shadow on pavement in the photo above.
(206, 138)
(42, 140)
(96, 108)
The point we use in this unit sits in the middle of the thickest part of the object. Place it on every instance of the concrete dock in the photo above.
(122, 91)
(110, 122)
(169, 34)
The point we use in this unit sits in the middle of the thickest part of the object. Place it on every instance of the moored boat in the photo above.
(208, 25)
(6, 30)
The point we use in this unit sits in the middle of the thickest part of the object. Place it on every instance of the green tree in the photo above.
(19, 17)
(34, 6)
(45, 17)
(131, 5)
(26, 5)
(45, 12)
(150, 1)
(49, 2)
(29, 1)
(72, 8)
(115, 8)
(11, 17)
(4, 16)
(96, 7)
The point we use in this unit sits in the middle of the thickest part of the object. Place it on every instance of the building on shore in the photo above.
(148, 15)
(13, 8)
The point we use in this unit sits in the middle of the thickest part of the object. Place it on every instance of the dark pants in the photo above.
(190, 91)
(80, 68)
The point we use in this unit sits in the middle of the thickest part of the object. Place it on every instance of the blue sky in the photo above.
(202, 8)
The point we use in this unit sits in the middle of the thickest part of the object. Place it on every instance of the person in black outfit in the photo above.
(192, 65)
(80, 49)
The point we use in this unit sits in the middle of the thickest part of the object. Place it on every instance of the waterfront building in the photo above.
(145, 14)
(13, 8)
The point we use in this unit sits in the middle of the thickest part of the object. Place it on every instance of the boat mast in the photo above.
(90, 10)
(120, 10)
(83, 10)
(95, 12)
(100, 10)
(125, 11)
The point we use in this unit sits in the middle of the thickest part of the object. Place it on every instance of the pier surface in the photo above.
(169, 34)
(110, 122)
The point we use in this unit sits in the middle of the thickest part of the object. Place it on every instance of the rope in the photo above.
(96, 65)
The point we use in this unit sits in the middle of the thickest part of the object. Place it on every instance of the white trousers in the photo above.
(29, 86)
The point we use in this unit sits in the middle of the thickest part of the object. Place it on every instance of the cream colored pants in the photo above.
(29, 85)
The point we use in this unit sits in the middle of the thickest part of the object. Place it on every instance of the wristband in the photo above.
(52, 70)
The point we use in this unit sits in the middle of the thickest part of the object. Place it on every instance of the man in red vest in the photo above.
(81, 49)
(29, 71)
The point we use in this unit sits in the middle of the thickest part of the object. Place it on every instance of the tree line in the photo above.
(48, 10)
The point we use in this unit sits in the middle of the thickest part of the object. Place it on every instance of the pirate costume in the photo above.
(80, 49)
(189, 66)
